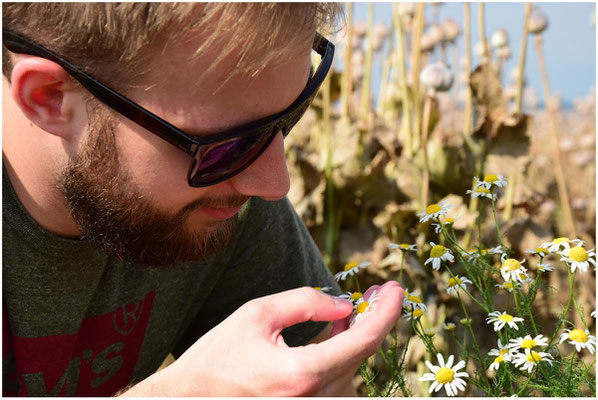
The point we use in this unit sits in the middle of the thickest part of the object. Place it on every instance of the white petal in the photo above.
(450, 360)
(440, 359)
(459, 365)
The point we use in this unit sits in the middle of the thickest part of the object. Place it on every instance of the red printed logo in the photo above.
(97, 361)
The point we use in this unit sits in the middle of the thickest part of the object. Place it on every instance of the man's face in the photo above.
(127, 188)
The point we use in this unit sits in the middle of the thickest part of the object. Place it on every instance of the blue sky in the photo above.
(569, 41)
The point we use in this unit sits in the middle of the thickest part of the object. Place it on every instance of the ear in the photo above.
(40, 88)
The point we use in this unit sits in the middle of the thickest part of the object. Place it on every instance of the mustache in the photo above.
(231, 201)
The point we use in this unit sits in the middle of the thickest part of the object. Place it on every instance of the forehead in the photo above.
(208, 93)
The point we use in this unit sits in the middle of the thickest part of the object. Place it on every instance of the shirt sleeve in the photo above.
(272, 251)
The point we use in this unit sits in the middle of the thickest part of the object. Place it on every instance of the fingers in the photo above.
(291, 307)
(353, 345)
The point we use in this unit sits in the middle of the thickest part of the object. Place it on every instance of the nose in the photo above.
(267, 177)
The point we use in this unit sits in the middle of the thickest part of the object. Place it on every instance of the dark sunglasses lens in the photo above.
(220, 161)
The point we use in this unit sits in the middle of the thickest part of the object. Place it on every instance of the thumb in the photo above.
(294, 306)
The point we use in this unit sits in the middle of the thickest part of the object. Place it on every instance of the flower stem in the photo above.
(569, 302)
(401, 267)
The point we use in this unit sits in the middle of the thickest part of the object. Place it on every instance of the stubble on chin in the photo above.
(111, 210)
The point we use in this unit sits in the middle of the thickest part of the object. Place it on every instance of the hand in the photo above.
(245, 355)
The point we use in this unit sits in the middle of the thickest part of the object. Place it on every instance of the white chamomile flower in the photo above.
(511, 269)
(558, 244)
(481, 191)
(362, 307)
(501, 350)
(403, 247)
(434, 211)
(495, 250)
(578, 258)
(527, 342)
(525, 278)
(508, 286)
(412, 301)
(530, 359)
(593, 314)
(544, 268)
(448, 222)
(456, 283)
(355, 297)
(501, 355)
(324, 289)
(501, 319)
(446, 375)
(438, 254)
(580, 339)
(540, 251)
(449, 326)
(491, 180)
(350, 270)
(414, 313)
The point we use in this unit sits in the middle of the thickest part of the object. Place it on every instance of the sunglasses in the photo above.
(217, 157)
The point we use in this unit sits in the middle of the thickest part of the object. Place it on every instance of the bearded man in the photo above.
(144, 208)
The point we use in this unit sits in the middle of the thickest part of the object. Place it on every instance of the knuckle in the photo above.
(253, 309)
(310, 294)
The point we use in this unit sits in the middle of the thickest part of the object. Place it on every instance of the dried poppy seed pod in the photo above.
(436, 34)
(538, 22)
(380, 33)
(514, 75)
(359, 29)
(407, 11)
(504, 52)
(427, 43)
(478, 49)
(451, 29)
(499, 39)
(437, 77)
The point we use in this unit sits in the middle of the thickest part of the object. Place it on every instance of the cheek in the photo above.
(158, 169)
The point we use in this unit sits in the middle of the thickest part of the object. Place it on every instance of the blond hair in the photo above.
(115, 41)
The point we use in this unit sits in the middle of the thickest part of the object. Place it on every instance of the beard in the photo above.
(112, 211)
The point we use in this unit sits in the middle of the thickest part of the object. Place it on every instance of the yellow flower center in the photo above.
(361, 307)
(508, 285)
(404, 246)
(541, 250)
(534, 357)
(560, 240)
(318, 288)
(433, 208)
(528, 343)
(506, 317)
(449, 221)
(523, 276)
(418, 312)
(449, 326)
(437, 251)
(356, 296)
(490, 178)
(445, 375)
(350, 266)
(502, 352)
(511, 264)
(454, 281)
(484, 251)
(414, 299)
(578, 254)
(499, 359)
(577, 335)
(482, 189)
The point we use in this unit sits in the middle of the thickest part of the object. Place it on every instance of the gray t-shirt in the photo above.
(80, 322)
